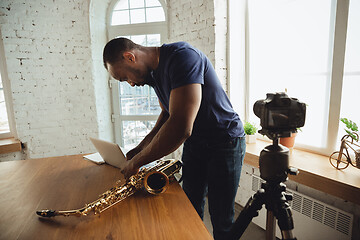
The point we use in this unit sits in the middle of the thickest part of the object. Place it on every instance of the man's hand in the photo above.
(130, 169)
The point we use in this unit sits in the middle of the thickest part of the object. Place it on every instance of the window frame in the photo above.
(126, 30)
(241, 57)
(7, 94)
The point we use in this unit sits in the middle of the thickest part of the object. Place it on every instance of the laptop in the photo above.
(110, 152)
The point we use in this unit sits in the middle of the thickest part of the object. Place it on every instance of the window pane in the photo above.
(155, 14)
(351, 81)
(289, 49)
(153, 3)
(145, 40)
(153, 40)
(135, 131)
(138, 100)
(137, 4)
(137, 15)
(122, 5)
(139, 39)
(120, 17)
(4, 124)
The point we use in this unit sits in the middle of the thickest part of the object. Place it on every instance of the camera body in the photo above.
(279, 113)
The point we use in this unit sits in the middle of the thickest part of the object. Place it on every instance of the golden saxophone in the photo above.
(154, 177)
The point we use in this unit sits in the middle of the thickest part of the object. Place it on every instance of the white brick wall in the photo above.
(202, 23)
(47, 48)
(193, 21)
(221, 43)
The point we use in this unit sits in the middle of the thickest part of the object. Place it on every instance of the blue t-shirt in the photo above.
(181, 64)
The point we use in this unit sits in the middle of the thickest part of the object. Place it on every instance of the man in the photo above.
(196, 112)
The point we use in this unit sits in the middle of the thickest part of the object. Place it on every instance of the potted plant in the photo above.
(352, 131)
(288, 142)
(250, 130)
(352, 128)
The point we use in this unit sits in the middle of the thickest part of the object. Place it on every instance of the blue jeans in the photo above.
(212, 167)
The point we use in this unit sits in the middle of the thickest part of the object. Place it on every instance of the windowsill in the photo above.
(315, 171)
(9, 145)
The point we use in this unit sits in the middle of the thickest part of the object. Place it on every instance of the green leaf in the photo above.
(350, 124)
(249, 128)
(352, 128)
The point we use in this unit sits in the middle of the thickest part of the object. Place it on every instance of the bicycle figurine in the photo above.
(341, 159)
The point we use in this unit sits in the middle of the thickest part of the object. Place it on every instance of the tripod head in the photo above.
(274, 159)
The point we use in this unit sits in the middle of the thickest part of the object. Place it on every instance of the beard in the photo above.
(142, 76)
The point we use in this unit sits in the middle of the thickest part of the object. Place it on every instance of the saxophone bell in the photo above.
(156, 182)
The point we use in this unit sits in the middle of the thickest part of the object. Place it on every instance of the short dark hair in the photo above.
(115, 48)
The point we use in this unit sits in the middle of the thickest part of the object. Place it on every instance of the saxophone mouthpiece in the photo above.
(46, 213)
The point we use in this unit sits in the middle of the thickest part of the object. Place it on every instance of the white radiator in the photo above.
(312, 219)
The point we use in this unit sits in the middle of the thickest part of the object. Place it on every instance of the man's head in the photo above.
(126, 61)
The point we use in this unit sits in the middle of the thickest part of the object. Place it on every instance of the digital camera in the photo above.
(280, 113)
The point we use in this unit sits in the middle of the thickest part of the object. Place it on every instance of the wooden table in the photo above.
(64, 183)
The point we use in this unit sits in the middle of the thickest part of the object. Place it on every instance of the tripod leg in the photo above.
(276, 202)
(270, 226)
(250, 211)
(282, 211)
(285, 222)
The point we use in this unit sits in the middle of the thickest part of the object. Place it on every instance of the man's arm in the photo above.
(183, 108)
(148, 138)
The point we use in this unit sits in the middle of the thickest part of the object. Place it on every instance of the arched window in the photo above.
(7, 123)
(135, 109)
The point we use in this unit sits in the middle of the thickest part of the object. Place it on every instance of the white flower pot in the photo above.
(250, 138)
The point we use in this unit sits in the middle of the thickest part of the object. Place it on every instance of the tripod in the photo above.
(274, 169)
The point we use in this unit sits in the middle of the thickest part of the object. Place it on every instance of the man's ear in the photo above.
(129, 56)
